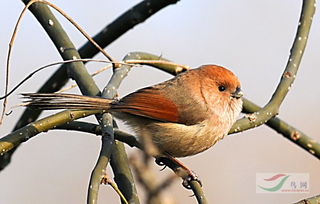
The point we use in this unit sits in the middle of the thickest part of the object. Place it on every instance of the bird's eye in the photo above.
(222, 88)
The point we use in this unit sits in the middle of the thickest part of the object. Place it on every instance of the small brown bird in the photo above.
(183, 116)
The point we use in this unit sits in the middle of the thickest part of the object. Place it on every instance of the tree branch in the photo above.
(121, 169)
(107, 139)
(271, 109)
(23, 134)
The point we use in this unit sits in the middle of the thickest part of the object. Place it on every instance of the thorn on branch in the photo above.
(287, 74)
(295, 136)
(251, 117)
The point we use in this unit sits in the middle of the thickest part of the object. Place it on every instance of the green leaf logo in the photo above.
(277, 186)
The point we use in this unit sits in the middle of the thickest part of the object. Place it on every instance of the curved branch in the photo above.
(271, 109)
(96, 129)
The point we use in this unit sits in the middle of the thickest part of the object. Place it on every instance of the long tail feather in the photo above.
(50, 101)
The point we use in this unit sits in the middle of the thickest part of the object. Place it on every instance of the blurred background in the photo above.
(252, 38)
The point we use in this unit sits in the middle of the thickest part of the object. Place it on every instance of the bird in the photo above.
(182, 116)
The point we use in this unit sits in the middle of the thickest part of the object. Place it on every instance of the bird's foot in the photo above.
(190, 178)
(160, 162)
(175, 165)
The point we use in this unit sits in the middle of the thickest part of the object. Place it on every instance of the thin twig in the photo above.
(161, 63)
(169, 66)
(106, 180)
(48, 66)
(92, 75)
(81, 30)
(4, 105)
(154, 63)
(14, 36)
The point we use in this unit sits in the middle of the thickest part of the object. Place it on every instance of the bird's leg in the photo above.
(187, 175)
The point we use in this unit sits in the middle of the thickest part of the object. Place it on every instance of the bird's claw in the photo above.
(191, 177)
(161, 163)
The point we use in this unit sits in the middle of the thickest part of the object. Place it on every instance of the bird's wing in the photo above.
(148, 102)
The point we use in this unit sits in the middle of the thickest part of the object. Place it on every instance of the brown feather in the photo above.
(150, 103)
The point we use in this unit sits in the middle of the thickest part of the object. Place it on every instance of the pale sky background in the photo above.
(252, 38)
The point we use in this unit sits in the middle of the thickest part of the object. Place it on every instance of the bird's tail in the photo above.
(50, 101)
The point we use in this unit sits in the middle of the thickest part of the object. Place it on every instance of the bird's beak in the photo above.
(237, 94)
